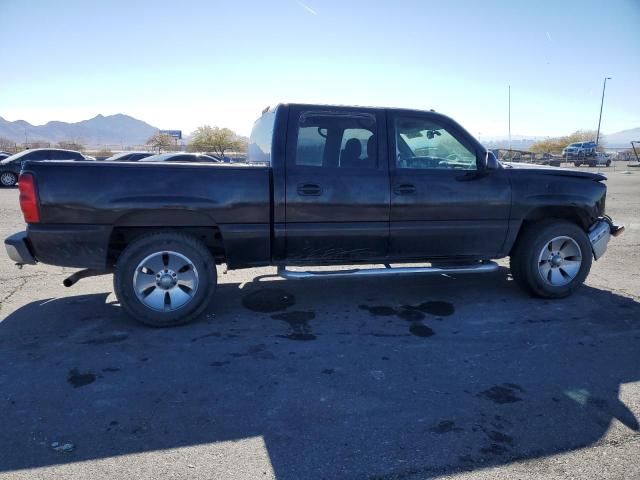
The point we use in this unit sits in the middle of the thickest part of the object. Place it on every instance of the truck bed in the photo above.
(95, 198)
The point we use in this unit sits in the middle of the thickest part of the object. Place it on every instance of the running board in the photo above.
(373, 272)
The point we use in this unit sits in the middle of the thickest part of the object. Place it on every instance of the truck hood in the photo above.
(556, 171)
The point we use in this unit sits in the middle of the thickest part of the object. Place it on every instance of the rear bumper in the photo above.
(18, 249)
(600, 233)
(77, 246)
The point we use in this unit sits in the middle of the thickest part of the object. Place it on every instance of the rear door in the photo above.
(337, 185)
(443, 204)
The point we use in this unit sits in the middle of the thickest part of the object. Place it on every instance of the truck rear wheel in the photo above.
(551, 259)
(165, 279)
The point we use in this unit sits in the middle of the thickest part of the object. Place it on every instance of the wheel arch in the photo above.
(131, 226)
(549, 213)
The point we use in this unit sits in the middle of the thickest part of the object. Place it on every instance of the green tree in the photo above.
(556, 144)
(216, 141)
(160, 142)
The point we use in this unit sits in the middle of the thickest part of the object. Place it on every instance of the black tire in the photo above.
(577, 164)
(524, 261)
(8, 179)
(185, 246)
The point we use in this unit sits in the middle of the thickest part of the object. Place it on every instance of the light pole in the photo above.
(604, 87)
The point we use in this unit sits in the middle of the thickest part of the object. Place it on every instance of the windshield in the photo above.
(17, 156)
(162, 157)
(120, 155)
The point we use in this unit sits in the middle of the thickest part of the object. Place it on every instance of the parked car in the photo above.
(579, 151)
(600, 159)
(323, 186)
(181, 157)
(128, 156)
(10, 166)
(548, 159)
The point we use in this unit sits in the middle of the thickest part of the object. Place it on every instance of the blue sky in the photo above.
(188, 63)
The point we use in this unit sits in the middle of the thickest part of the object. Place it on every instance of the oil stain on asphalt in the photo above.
(112, 338)
(268, 300)
(78, 379)
(505, 393)
(437, 308)
(445, 426)
(299, 325)
(380, 310)
(420, 330)
(414, 314)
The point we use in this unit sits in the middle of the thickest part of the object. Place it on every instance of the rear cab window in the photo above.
(261, 139)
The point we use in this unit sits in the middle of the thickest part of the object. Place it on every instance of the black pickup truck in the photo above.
(323, 185)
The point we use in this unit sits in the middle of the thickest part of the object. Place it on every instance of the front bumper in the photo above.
(600, 233)
(18, 250)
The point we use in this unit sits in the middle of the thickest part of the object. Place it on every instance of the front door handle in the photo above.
(309, 189)
(404, 189)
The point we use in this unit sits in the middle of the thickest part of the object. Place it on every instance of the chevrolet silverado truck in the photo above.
(409, 190)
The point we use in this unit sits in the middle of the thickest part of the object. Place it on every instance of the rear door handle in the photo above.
(404, 189)
(309, 189)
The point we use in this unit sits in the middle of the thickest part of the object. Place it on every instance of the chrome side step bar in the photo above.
(483, 267)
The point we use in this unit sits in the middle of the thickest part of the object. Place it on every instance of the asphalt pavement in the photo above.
(387, 378)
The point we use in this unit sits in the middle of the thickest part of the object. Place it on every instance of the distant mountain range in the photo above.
(125, 130)
(100, 130)
(620, 139)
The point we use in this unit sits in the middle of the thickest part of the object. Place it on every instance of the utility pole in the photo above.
(604, 87)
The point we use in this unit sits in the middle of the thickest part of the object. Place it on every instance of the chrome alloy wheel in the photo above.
(560, 261)
(165, 281)
(7, 179)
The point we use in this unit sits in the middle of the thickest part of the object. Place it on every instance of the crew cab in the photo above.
(600, 159)
(580, 151)
(323, 185)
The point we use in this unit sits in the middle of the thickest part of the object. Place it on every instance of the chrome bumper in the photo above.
(18, 249)
(600, 233)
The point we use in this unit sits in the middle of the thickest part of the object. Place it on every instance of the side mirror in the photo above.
(491, 162)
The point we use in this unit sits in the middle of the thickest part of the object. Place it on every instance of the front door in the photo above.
(444, 203)
(337, 185)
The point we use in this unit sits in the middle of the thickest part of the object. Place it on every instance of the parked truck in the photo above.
(324, 185)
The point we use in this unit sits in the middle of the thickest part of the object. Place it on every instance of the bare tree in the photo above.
(7, 145)
(71, 145)
(160, 142)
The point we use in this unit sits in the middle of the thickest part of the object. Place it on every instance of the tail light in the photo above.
(28, 198)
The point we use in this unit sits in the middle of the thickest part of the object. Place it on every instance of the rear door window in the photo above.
(337, 140)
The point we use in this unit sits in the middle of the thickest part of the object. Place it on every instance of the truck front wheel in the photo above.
(165, 279)
(551, 259)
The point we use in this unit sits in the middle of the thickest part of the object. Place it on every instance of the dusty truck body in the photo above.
(324, 186)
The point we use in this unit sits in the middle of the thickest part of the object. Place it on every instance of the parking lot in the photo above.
(401, 378)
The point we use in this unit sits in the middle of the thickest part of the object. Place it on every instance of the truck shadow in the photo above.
(341, 378)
